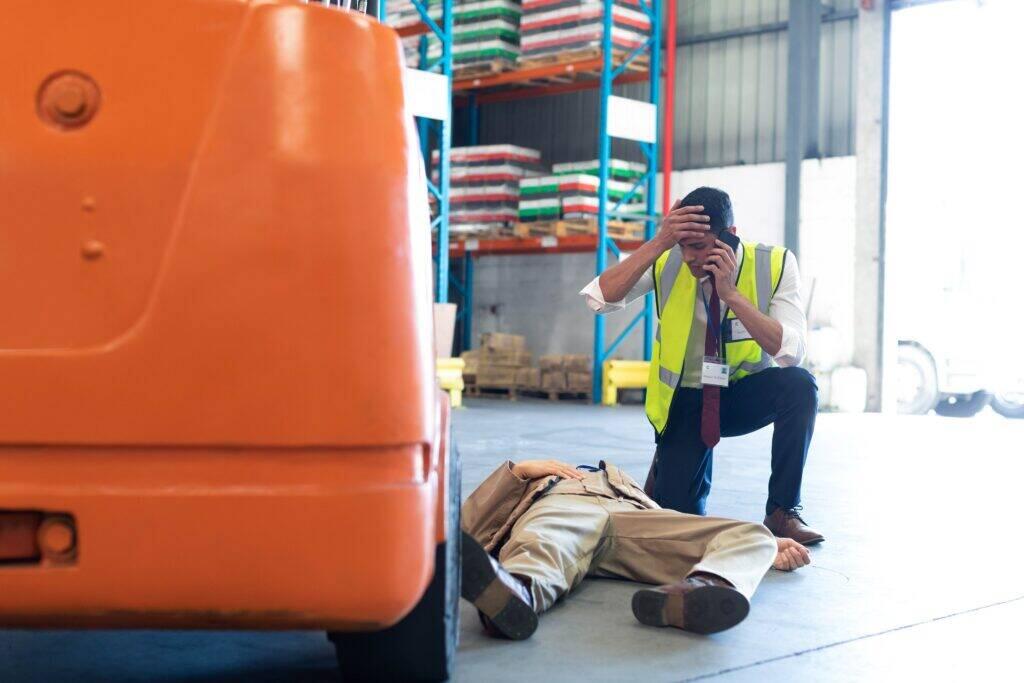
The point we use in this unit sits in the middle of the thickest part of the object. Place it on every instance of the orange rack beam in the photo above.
(416, 29)
(573, 244)
(559, 72)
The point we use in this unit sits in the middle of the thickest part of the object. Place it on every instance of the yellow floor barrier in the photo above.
(623, 374)
(449, 375)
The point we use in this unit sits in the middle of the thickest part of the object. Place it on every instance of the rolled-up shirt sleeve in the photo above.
(597, 303)
(788, 309)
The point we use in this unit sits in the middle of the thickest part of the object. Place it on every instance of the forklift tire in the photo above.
(962, 405)
(420, 647)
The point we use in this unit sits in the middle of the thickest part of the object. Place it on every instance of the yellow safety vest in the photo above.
(675, 292)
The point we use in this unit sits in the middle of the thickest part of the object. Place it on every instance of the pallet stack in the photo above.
(504, 365)
(580, 201)
(567, 30)
(566, 374)
(484, 194)
(571, 194)
(485, 36)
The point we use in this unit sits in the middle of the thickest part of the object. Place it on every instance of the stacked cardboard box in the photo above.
(552, 28)
(572, 195)
(472, 365)
(485, 185)
(504, 361)
(566, 373)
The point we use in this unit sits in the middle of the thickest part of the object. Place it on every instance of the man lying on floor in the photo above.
(551, 524)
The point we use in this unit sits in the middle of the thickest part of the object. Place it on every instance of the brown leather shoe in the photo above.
(700, 604)
(504, 603)
(789, 524)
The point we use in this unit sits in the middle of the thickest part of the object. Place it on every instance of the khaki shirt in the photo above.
(490, 512)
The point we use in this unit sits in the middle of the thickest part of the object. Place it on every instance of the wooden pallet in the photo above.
(640, 63)
(492, 234)
(616, 229)
(488, 391)
(564, 395)
(515, 393)
(494, 66)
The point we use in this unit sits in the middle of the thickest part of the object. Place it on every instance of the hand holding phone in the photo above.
(721, 263)
(732, 240)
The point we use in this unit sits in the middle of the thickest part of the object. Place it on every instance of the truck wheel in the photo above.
(1009, 404)
(917, 387)
(962, 405)
(421, 647)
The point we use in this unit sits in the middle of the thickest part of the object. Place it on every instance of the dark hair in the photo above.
(716, 203)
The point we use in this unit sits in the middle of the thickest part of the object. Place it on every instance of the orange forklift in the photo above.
(218, 405)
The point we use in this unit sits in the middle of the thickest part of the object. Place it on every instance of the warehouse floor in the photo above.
(921, 574)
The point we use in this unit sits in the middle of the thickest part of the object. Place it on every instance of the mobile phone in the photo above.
(732, 240)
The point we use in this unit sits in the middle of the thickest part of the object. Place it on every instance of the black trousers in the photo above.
(787, 397)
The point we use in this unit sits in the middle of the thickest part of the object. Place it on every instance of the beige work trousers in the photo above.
(563, 538)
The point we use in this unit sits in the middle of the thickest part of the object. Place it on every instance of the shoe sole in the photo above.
(509, 613)
(704, 610)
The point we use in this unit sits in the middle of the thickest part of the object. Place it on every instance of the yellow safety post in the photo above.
(623, 374)
(449, 375)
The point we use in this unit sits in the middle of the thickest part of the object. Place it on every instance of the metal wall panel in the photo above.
(730, 92)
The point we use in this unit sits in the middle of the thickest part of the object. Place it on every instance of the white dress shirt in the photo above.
(786, 307)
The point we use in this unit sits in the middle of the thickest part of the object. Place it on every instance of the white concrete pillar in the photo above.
(869, 243)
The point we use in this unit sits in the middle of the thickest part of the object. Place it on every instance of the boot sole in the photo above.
(704, 610)
(509, 613)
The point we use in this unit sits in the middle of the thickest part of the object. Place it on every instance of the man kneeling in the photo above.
(551, 525)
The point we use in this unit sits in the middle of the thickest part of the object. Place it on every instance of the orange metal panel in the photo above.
(254, 177)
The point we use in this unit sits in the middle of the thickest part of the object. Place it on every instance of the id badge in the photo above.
(715, 372)
(738, 332)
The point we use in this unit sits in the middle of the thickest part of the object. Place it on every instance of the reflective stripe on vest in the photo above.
(757, 280)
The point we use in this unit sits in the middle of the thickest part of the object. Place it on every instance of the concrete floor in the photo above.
(922, 575)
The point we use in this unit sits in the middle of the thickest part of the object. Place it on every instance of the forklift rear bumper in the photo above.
(281, 538)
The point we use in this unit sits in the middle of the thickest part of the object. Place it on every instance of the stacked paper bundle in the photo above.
(572, 192)
(485, 31)
(485, 184)
(556, 27)
(579, 199)
(539, 199)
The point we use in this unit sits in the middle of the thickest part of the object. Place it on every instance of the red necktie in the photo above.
(710, 422)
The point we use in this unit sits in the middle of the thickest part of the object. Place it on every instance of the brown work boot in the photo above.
(789, 524)
(699, 604)
(504, 603)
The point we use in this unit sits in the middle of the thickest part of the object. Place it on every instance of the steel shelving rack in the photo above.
(601, 73)
(442, 129)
